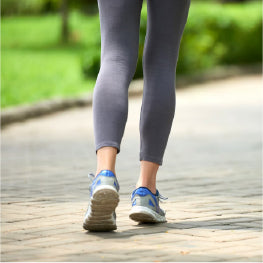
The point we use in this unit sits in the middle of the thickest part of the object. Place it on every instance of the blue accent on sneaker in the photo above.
(97, 180)
(150, 202)
(144, 200)
(108, 173)
(144, 191)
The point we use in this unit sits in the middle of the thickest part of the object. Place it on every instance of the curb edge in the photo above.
(22, 113)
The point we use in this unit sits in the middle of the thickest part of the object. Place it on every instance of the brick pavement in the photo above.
(211, 174)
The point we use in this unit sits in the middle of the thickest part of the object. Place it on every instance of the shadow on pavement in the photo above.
(148, 229)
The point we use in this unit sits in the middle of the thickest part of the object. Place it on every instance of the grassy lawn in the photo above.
(36, 66)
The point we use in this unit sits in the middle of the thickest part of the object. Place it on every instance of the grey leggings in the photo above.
(119, 25)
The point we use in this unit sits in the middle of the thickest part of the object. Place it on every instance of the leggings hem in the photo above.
(145, 157)
(108, 143)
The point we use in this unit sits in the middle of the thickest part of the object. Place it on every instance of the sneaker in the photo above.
(145, 206)
(104, 198)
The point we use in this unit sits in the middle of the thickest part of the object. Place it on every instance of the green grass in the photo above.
(32, 76)
(36, 66)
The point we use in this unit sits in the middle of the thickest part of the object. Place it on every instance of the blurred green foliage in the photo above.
(215, 34)
(221, 34)
(22, 7)
(36, 65)
(33, 7)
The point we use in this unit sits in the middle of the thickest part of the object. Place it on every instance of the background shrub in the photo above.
(215, 34)
(11, 7)
(33, 7)
(221, 34)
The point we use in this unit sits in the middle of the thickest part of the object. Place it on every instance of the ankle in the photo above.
(106, 159)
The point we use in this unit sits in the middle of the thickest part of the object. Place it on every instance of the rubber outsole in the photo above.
(145, 215)
(102, 206)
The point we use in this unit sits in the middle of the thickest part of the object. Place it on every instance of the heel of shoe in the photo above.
(145, 215)
(101, 216)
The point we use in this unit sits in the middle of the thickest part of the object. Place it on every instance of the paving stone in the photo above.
(211, 174)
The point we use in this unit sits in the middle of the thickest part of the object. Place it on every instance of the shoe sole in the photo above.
(145, 215)
(103, 203)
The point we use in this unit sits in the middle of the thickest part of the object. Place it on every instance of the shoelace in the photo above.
(161, 197)
(91, 176)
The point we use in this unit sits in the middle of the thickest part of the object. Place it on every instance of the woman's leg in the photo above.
(120, 24)
(165, 25)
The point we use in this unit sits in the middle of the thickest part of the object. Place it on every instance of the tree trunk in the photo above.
(65, 26)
